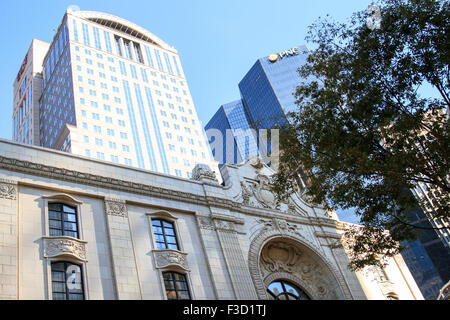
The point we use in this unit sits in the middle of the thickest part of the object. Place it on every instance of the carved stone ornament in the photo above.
(203, 171)
(257, 163)
(7, 191)
(63, 246)
(116, 208)
(280, 256)
(223, 225)
(170, 258)
(205, 223)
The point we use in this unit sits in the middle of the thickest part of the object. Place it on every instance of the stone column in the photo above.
(122, 251)
(8, 239)
(220, 279)
(235, 260)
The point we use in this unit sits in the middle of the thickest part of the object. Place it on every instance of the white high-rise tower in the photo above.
(116, 92)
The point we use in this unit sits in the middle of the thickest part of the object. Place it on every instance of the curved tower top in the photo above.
(122, 25)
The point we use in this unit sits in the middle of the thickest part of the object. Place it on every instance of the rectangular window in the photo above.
(75, 31)
(85, 34)
(176, 65)
(133, 71)
(123, 70)
(149, 56)
(62, 220)
(67, 281)
(107, 41)
(144, 75)
(97, 38)
(158, 60)
(169, 66)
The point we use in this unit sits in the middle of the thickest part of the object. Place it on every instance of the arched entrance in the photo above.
(284, 258)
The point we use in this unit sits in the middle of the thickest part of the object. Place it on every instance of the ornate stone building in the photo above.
(76, 228)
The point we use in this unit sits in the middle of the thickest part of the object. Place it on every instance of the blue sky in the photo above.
(217, 40)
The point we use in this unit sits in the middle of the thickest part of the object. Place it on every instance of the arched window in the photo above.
(67, 281)
(164, 232)
(62, 220)
(176, 286)
(283, 290)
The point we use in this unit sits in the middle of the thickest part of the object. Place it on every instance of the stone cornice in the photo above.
(63, 174)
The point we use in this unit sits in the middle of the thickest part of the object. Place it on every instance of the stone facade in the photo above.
(233, 239)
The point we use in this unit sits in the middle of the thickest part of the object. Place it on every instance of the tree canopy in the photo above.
(364, 134)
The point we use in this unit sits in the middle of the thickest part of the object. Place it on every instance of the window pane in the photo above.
(159, 238)
(171, 295)
(54, 206)
(167, 276)
(69, 209)
(171, 240)
(157, 230)
(70, 226)
(56, 224)
(276, 288)
(70, 217)
(169, 285)
(58, 276)
(55, 232)
(172, 246)
(161, 246)
(291, 289)
(71, 234)
(59, 287)
(181, 285)
(184, 295)
(75, 296)
(167, 224)
(169, 232)
(59, 296)
(179, 277)
(156, 223)
(54, 215)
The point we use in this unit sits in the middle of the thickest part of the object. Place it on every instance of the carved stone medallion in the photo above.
(116, 208)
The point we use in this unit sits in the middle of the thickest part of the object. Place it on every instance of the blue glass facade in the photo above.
(57, 103)
(427, 258)
(267, 94)
(231, 120)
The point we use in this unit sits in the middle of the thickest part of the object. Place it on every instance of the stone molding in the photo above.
(170, 258)
(63, 174)
(64, 246)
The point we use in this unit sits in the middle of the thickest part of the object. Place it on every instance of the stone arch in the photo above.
(273, 233)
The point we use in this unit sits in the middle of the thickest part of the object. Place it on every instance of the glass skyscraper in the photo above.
(267, 94)
(114, 91)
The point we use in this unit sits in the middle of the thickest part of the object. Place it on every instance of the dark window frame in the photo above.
(171, 277)
(165, 244)
(62, 220)
(66, 265)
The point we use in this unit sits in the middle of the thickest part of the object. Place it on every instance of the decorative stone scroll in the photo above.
(63, 246)
(8, 190)
(116, 207)
(170, 258)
